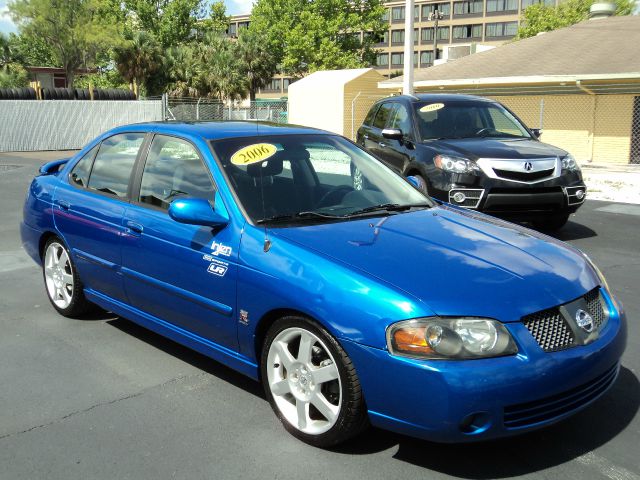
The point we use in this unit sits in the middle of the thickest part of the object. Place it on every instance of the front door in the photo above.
(182, 274)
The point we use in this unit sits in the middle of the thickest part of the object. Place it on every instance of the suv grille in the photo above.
(549, 329)
(524, 176)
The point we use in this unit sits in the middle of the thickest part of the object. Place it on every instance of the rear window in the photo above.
(114, 163)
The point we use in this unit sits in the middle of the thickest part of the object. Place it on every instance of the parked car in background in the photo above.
(248, 243)
(473, 152)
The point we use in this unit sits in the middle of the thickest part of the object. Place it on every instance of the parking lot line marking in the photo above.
(623, 208)
(606, 468)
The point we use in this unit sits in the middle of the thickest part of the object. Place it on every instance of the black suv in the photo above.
(475, 153)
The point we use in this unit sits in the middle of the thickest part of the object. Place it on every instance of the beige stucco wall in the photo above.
(612, 132)
(359, 95)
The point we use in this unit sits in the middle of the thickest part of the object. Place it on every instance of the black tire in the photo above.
(78, 304)
(551, 223)
(2, 94)
(352, 417)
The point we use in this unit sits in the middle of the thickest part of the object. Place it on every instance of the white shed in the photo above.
(334, 100)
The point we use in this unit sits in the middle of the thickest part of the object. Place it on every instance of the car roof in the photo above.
(219, 130)
(439, 97)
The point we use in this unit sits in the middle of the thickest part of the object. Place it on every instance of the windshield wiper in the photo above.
(387, 207)
(297, 216)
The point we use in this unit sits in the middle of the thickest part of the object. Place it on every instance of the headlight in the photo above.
(455, 164)
(603, 281)
(450, 338)
(569, 163)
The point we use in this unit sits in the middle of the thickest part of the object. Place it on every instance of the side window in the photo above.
(401, 120)
(80, 173)
(173, 169)
(382, 115)
(369, 118)
(114, 163)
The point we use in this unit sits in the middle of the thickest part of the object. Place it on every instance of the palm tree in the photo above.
(138, 58)
(221, 76)
(5, 52)
(183, 68)
(257, 62)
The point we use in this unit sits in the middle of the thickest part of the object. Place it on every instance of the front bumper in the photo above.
(461, 401)
(502, 197)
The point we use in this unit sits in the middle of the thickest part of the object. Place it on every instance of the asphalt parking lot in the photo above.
(104, 398)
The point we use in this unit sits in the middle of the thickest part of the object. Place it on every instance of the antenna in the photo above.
(267, 242)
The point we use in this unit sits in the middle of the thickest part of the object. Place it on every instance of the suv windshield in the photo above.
(311, 177)
(447, 120)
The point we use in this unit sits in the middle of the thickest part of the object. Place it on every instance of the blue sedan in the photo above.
(293, 256)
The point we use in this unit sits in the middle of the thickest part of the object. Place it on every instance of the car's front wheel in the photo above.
(61, 280)
(311, 383)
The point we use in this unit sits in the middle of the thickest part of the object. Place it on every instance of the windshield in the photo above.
(311, 177)
(445, 120)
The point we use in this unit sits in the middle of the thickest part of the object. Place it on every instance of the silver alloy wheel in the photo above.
(58, 275)
(306, 385)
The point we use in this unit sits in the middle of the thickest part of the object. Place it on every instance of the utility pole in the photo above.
(407, 84)
(435, 16)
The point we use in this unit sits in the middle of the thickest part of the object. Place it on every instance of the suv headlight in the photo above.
(569, 163)
(450, 338)
(455, 164)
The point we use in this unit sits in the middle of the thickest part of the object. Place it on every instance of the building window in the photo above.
(471, 7)
(273, 86)
(416, 12)
(444, 8)
(502, 6)
(528, 3)
(397, 37)
(286, 82)
(233, 29)
(501, 29)
(397, 59)
(415, 59)
(242, 25)
(397, 14)
(381, 40)
(467, 32)
(426, 58)
(382, 60)
(427, 34)
(385, 15)
(416, 34)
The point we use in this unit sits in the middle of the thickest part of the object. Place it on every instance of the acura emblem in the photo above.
(528, 166)
(584, 320)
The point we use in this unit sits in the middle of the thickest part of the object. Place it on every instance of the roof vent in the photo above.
(602, 10)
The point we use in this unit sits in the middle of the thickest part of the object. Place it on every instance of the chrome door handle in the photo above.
(64, 205)
(365, 136)
(382, 144)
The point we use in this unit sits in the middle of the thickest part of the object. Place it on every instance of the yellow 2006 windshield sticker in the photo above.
(432, 107)
(258, 152)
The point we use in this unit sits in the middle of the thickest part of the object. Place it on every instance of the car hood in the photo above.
(475, 148)
(455, 262)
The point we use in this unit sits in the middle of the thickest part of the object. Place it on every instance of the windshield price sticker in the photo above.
(432, 107)
(258, 152)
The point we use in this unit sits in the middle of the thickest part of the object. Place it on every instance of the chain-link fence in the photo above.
(593, 128)
(206, 109)
(360, 104)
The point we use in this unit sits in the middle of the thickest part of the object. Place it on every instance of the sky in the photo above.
(234, 7)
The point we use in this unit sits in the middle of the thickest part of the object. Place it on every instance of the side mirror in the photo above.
(536, 132)
(392, 133)
(198, 211)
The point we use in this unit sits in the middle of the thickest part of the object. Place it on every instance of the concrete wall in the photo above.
(29, 125)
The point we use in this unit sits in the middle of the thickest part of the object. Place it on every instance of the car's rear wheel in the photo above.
(311, 383)
(552, 223)
(63, 286)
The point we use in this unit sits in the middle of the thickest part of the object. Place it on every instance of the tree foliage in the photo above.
(77, 30)
(308, 36)
(542, 18)
(138, 59)
(256, 62)
(30, 50)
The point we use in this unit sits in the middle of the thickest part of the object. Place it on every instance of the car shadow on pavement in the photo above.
(189, 356)
(573, 231)
(519, 455)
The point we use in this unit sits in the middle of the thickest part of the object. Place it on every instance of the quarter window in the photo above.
(114, 163)
(173, 169)
(80, 173)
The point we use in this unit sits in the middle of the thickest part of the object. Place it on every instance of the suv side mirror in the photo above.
(536, 132)
(392, 133)
(198, 211)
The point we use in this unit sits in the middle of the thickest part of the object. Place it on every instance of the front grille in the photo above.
(547, 409)
(594, 305)
(524, 176)
(550, 330)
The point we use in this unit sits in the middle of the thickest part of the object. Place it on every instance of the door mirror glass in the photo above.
(392, 133)
(198, 211)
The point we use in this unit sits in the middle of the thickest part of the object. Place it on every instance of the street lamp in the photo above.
(435, 16)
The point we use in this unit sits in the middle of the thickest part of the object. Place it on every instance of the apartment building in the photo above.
(464, 24)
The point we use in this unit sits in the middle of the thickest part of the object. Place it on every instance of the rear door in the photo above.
(395, 153)
(375, 142)
(182, 274)
(88, 211)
